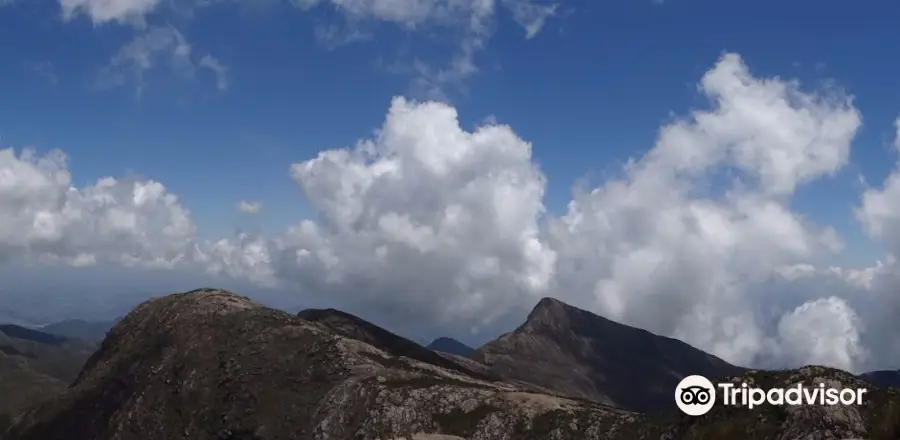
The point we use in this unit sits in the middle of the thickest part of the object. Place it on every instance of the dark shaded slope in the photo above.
(883, 378)
(36, 366)
(452, 346)
(196, 365)
(209, 364)
(878, 418)
(52, 355)
(577, 353)
(27, 334)
(353, 327)
(21, 386)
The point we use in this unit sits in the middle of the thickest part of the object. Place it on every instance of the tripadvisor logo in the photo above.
(696, 395)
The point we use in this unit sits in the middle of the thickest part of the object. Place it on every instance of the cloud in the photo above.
(879, 212)
(104, 11)
(123, 221)
(470, 22)
(333, 36)
(44, 70)
(677, 248)
(407, 13)
(244, 257)
(218, 69)
(152, 48)
(442, 230)
(467, 24)
(531, 15)
(458, 211)
(825, 331)
(437, 225)
(249, 207)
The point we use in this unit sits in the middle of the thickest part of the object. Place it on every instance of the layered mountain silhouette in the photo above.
(451, 346)
(35, 366)
(352, 327)
(884, 378)
(11, 317)
(92, 331)
(579, 354)
(209, 364)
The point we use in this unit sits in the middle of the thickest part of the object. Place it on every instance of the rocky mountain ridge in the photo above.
(209, 364)
(582, 355)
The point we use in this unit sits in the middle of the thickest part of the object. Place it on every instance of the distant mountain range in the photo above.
(10, 317)
(259, 373)
(884, 378)
(35, 365)
(452, 346)
(212, 364)
(39, 362)
(80, 329)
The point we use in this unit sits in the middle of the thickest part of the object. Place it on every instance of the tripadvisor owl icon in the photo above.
(695, 395)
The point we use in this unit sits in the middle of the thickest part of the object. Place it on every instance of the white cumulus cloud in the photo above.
(676, 246)
(123, 221)
(823, 331)
(444, 229)
(249, 207)
(879, 211)
(426, 219)
(442, 225)
(103, 11)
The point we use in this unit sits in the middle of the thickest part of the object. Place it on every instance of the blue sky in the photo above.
(442, 228)
(590, 90)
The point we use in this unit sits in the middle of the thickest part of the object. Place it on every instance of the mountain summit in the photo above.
(579, 354)
(550, 314)
(209, 364)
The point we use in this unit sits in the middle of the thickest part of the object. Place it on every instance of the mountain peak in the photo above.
(550, 312)
(212, 364)
(597, 355)
(550, 302)
(452, 346)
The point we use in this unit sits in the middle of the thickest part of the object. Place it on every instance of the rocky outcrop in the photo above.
(209, 364)
(877, 419)
(576, 353)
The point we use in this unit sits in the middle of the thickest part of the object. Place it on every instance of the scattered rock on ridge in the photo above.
(209, 364)
(576, 353)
